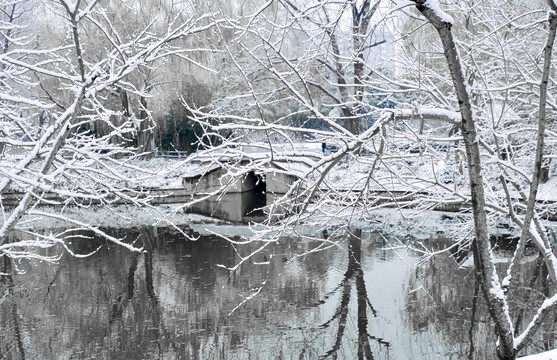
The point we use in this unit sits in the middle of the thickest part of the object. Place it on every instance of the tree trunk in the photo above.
(491, 286)
(540, 146)
(352, 125)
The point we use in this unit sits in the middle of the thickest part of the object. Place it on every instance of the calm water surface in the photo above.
(174, 302)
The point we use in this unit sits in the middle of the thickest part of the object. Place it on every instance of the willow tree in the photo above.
(65, 74)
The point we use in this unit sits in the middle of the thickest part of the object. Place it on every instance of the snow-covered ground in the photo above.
(128, 216)
(548, 190)
(549, 355)
(419, 225)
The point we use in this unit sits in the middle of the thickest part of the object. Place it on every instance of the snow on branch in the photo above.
(448, 116)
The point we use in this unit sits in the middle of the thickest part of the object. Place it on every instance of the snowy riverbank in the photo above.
(417, 224)
(549, 355)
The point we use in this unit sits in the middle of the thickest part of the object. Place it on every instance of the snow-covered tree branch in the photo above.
(67, 135)
(445, 123)
(342, 108)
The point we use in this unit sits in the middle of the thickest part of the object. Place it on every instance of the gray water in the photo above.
(353, 301)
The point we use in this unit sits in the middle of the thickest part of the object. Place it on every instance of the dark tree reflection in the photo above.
(172, 301)
(12, 347)
(446, 298)
(354, 275)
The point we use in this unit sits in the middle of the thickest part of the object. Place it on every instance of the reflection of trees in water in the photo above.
(136, 318)
(103, 304)
(172, 301)
(536, 288)
(11, 344)
(353, 275)
(169, 302)
(446, 298)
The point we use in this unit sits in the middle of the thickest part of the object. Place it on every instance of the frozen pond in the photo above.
(174, 302)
